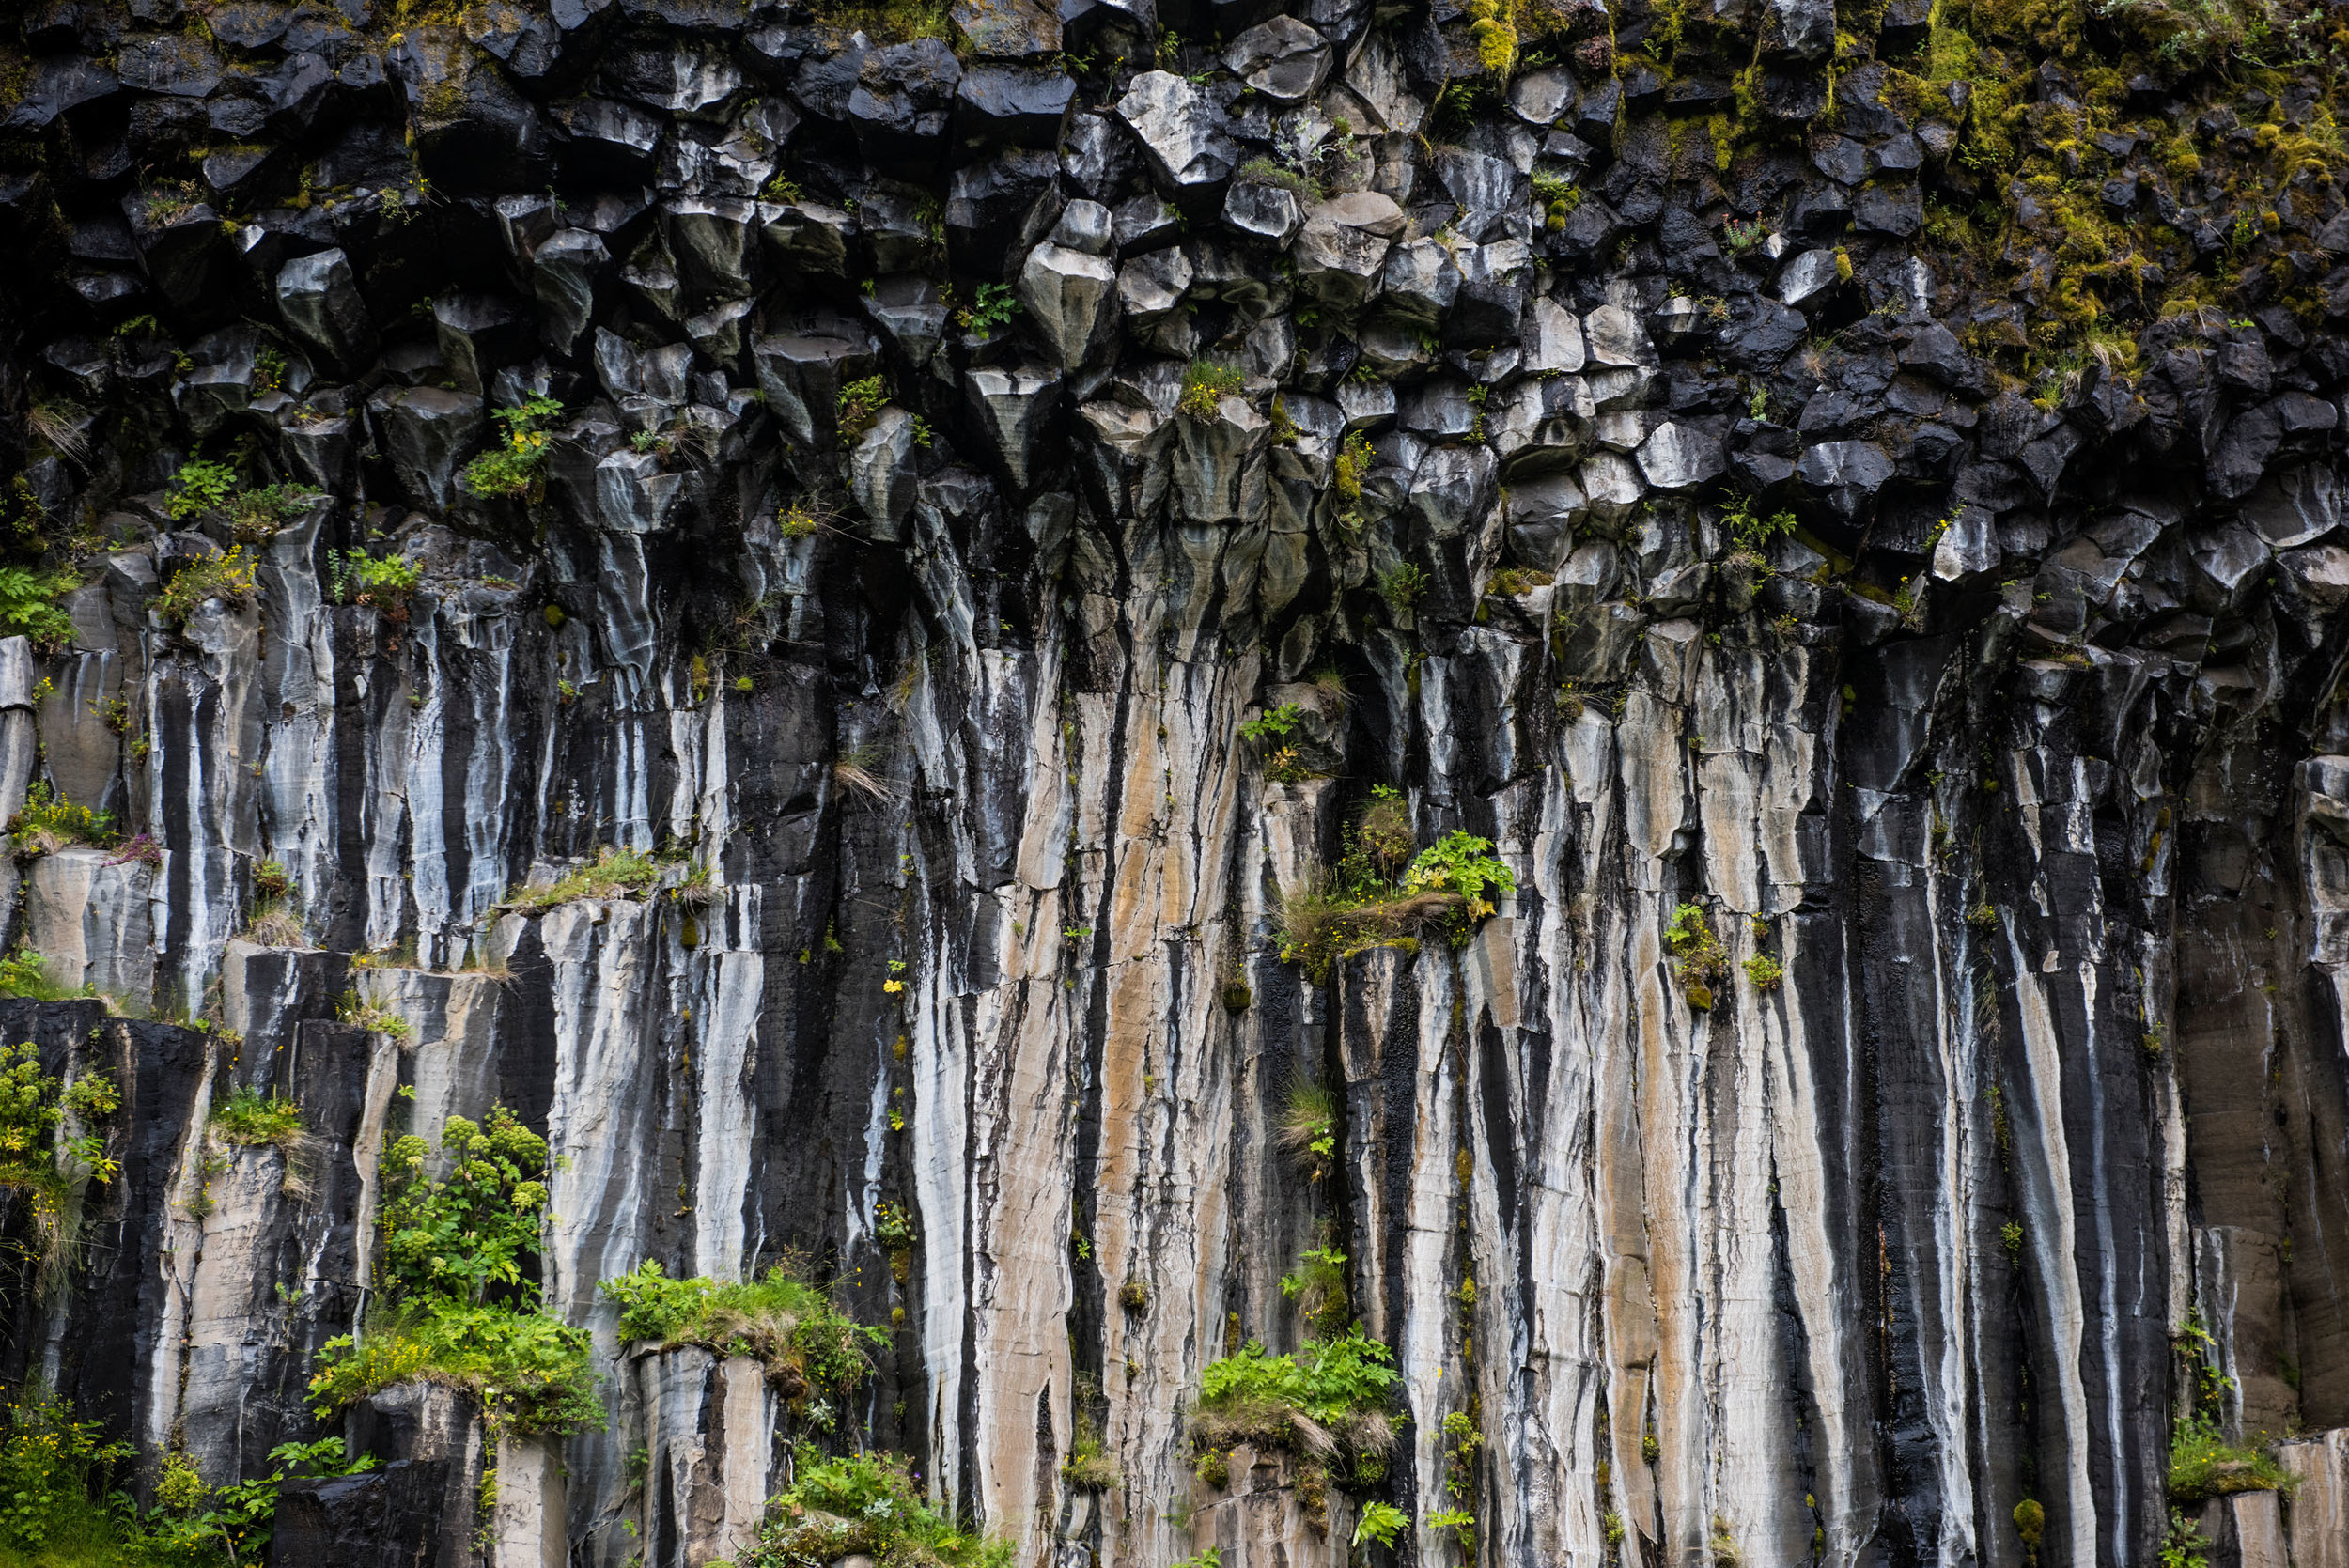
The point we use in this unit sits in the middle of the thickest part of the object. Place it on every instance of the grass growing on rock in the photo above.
(614, 872)
(251, 1119)
(868, 1503)
(809, 1347)
(2203, 1464)
(1364, 904)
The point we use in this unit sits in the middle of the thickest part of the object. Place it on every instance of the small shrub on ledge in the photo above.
(1327, 1404)
(516, 465)
(49, 821)
(1443, 890)
(868, 1503)
(810, 1348)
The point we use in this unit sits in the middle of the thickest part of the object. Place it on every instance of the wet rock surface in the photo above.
(1648, 458)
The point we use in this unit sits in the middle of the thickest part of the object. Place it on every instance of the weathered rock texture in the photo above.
(2027, 759)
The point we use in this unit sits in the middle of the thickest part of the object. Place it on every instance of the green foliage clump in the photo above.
(28, 606)
(254, 1119)
(992, 305)
(1403, 586)
(455, 1239)
(1698, 957)
(806, 1343)
(49, 821)
(199, 488)
(456, 1307)
(1764, 973)
(532, 1372)
(1205, 384)
(1351, 466)
(614, 874)
(1331, 1397)
(1309, 1126)
(1089, 1466)
(860, 406)
(516, 466)
(1443, 888)
(1751, 532)
(355, 577)
(1319, 1289)
(1273, 724)
(202, 489)
(53, 1470)
(27, 974)
(35, 1162)
(1463, 865)
(1264, 171)
(356, 1009)
(2183, 1546)
(870, 1503)
(2203, 1464)
(229, 579)
(1381, 1522)
(1460, 1522)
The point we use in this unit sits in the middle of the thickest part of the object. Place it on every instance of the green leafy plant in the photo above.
(1462, 1439)
(1089, 1466)
(355, 577)
(1463, 865)
(2203, 1464)
(1381, 1522)
(49, 1146)
(1351, 466)
(1444, 888)
(1273, 723)
(869, 1503)
(860, 406)
(1403, 586)
(456, 1307)
(28, 975)
(516, 464)
(992, 305)
(1205, 384)
(356, 1009)
(791, 1326)
(53, 1469)
(1319, 1289)
(533, 1373)
(48, 821)
(1750, 530)
(229, 579)
(1327, 1402)
(198, 488)
(1697, 955)
(2183, 1544)
(28, 606)
(1763, 972)
(254, 1119)
(1460, 1522)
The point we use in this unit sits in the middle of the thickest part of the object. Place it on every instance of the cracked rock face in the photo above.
(1904, 1080)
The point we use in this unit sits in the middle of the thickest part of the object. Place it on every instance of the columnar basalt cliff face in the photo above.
(1849, 505)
